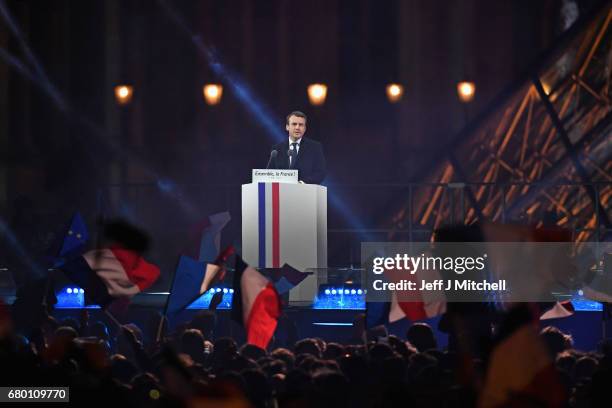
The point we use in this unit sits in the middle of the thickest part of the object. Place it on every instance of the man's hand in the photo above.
(215, 301)
(129, 335)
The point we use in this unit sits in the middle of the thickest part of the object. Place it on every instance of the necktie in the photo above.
(293, 155)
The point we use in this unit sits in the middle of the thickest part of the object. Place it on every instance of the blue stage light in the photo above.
(339, 298)
(72, 298)
(203, 302)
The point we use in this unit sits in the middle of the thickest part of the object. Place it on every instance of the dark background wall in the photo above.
(96, 157)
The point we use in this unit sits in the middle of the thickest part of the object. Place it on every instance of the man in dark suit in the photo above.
(297, 152)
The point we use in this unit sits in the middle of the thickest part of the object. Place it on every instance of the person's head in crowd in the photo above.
(252, 351)
(240, 363)
(198, 372)
(185, 360)
(333, 351)
(307, 346)
(419, 362)
(71, 322)
(555, 340)
(277, 382)
(208, 347)
(224, 350)
(92, 354)
(192, 344)
(355, 349)
(321, 343)
(123, 344)
(261, 361)
(377, 332)
(99, 330)
(330, 389)
(355, 367)
(204, 321)
(437, 354)
(400, 346)
(331, 365)
(566, 361)
(65, 334)
(285, 355)
(585, 368)
(133, 327)
(258, 389)
(305, 361)
(123, 369)
(317, 365)
(381, 351)
(298, 382)
(421, 336)
(274, 367)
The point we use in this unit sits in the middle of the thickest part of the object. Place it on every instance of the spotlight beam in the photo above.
(254, 106)
(40, 72)
(41, 80)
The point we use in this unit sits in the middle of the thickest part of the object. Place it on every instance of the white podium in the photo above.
(286, 223)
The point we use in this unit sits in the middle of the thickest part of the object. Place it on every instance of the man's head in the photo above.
(296, 125)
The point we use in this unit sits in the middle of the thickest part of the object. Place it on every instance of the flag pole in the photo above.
(164, 316)
(113, 319)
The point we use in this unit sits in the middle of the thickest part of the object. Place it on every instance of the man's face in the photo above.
(296, 127)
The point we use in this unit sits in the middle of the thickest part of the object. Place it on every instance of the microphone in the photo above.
(292, 154)
(273, 154)
(291, 151)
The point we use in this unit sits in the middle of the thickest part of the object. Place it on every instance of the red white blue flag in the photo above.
(255, 305)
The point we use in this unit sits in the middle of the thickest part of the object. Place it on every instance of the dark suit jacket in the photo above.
(310, 161)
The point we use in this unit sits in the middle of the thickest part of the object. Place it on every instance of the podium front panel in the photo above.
(286, 223)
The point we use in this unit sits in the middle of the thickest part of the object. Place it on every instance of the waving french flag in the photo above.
(193, 278)
(110, 273)
(255, 305)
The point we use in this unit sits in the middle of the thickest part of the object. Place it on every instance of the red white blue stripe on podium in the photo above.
(269, 224)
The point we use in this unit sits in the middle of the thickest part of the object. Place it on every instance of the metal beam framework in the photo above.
(543, 156)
